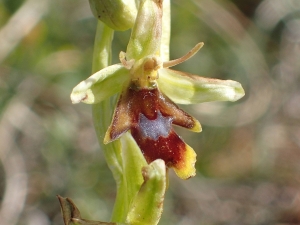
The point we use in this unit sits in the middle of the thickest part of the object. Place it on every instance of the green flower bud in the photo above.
(147, 205)
(117, 14)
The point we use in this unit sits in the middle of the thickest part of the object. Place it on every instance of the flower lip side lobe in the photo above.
(141, 98)
(149, 91)
(149, 116)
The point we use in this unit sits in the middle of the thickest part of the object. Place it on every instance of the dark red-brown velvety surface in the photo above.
(169, 148)
(149, 115)
(149, 101)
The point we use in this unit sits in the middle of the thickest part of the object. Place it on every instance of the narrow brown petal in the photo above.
(180, 117)
(121, 119)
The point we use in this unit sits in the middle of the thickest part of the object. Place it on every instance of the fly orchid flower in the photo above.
(148, 93)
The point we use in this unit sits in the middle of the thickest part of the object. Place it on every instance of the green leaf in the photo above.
(183, 88)
(132, 161)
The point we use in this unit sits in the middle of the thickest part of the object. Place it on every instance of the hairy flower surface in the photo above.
(149, 115)
(148, 93)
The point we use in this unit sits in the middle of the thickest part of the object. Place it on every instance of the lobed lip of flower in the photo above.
(145, 77)
(149, 116)
(149, 91)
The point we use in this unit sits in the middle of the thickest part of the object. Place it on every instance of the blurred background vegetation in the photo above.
(248, 168)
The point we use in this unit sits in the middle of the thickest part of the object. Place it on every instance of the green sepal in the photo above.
(117, 14)
(166, 31)
(147, 206)
(184, 88)
(101, 85)
(146, 34)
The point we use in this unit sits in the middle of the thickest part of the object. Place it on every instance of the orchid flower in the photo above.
(148, 93)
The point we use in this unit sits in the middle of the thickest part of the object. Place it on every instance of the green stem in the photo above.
(123, 156)
(102, 112)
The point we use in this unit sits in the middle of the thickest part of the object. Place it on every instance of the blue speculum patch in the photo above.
(149, 115)
(153, 129)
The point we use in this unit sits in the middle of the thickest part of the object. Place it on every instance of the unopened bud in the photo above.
(117, 14)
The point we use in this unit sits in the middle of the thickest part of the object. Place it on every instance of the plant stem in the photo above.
(102, 112)
(123, 156)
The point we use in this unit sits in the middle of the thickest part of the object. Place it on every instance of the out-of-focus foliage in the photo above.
(248, 153)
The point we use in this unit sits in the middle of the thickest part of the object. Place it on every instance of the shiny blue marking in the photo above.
(153, 129)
